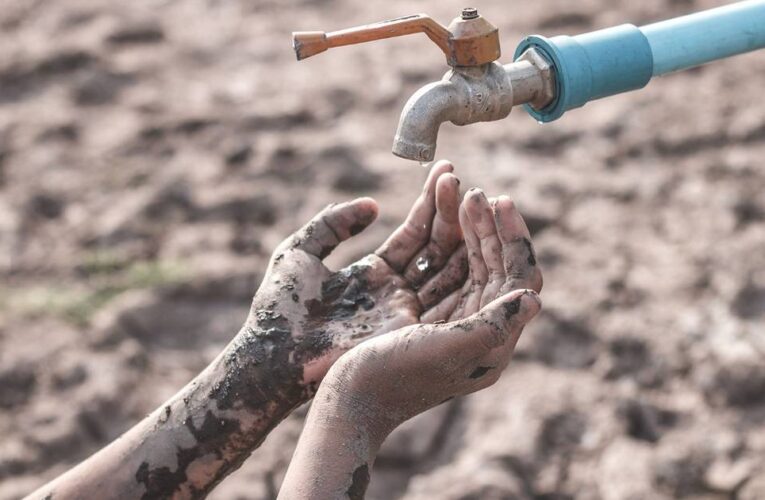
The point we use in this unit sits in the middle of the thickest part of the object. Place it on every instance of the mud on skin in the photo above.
(264, 355)
(254, 372)
(480, 371)
(212, 437)
(341, 297)
(359, 483)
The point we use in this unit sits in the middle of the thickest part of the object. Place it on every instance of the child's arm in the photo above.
(303, 318)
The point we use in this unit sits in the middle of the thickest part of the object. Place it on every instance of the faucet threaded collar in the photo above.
(469, 13)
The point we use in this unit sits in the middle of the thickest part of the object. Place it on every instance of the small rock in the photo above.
(739, 383)
(99, 87)
(171, 202)
(632, 357)
(16, 386)
(238, 155)
(749, 302)
(561, 432)
(144, 32)
(563, 343)
(69, 375)
(46, 205)
(682, 473)
(646, 422)
(65, 132)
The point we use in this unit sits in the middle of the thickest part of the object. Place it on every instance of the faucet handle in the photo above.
(469, 40)
(309, 43)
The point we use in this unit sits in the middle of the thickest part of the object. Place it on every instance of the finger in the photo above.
(481, 217)
(442, 310)
(445, 234)
(478, 273)
(448, 279)
(498, 324)
(518, 256)
(334, 224)
(413, 234)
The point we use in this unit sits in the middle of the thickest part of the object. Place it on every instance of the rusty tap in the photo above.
(469, 40)
(477, 88)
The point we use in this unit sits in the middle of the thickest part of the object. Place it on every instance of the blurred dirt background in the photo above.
(153, 153)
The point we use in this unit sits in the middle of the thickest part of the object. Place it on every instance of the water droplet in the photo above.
(426, 164)
(422, 264)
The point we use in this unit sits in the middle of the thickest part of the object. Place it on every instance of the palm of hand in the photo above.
(330, 312)
(440, 361)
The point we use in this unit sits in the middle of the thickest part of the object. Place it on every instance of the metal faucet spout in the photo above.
(465, 95)
(421, 118)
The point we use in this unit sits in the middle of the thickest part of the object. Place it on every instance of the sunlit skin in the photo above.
(303, 318)
(381, 383)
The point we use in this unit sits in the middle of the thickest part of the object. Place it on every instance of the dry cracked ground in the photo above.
(153, 153)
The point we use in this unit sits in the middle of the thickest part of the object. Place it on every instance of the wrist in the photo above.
(346, 401)
(258, 373)
(336, 450)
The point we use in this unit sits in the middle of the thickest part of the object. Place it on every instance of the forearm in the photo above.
(336, 451)
(200, 435)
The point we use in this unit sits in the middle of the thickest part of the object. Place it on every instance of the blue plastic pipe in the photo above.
(623, 58)
(689, 41)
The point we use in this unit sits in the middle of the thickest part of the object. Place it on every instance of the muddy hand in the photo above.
(413, 369)
(312, 315)
(500, 254)
(383, 382)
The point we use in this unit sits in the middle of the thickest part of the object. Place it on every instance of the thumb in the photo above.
(334, 224)
(500, 322)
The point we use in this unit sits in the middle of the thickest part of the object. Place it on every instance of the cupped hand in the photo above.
(318, 314)
(500, 254)
(405, 372)
(389, 379)
(381, 383)
(392, 377)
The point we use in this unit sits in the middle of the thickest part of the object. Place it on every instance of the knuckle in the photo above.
(496, 275)
(413, 230)
(537, 281)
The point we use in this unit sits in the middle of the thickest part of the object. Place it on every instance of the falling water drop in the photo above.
(422, 264)
(425, 164)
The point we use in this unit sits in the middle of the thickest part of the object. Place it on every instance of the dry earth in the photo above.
(152, 153)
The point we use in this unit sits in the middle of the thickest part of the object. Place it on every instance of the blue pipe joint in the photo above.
(591, 66)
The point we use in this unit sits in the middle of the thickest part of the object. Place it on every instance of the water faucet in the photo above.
(476, 89)
(549, 76)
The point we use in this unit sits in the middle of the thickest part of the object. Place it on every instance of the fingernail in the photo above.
(453, 178)
(475, 194)
(531, 304)
(523, 307)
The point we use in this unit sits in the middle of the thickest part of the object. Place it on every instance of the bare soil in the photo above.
(154, 152)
